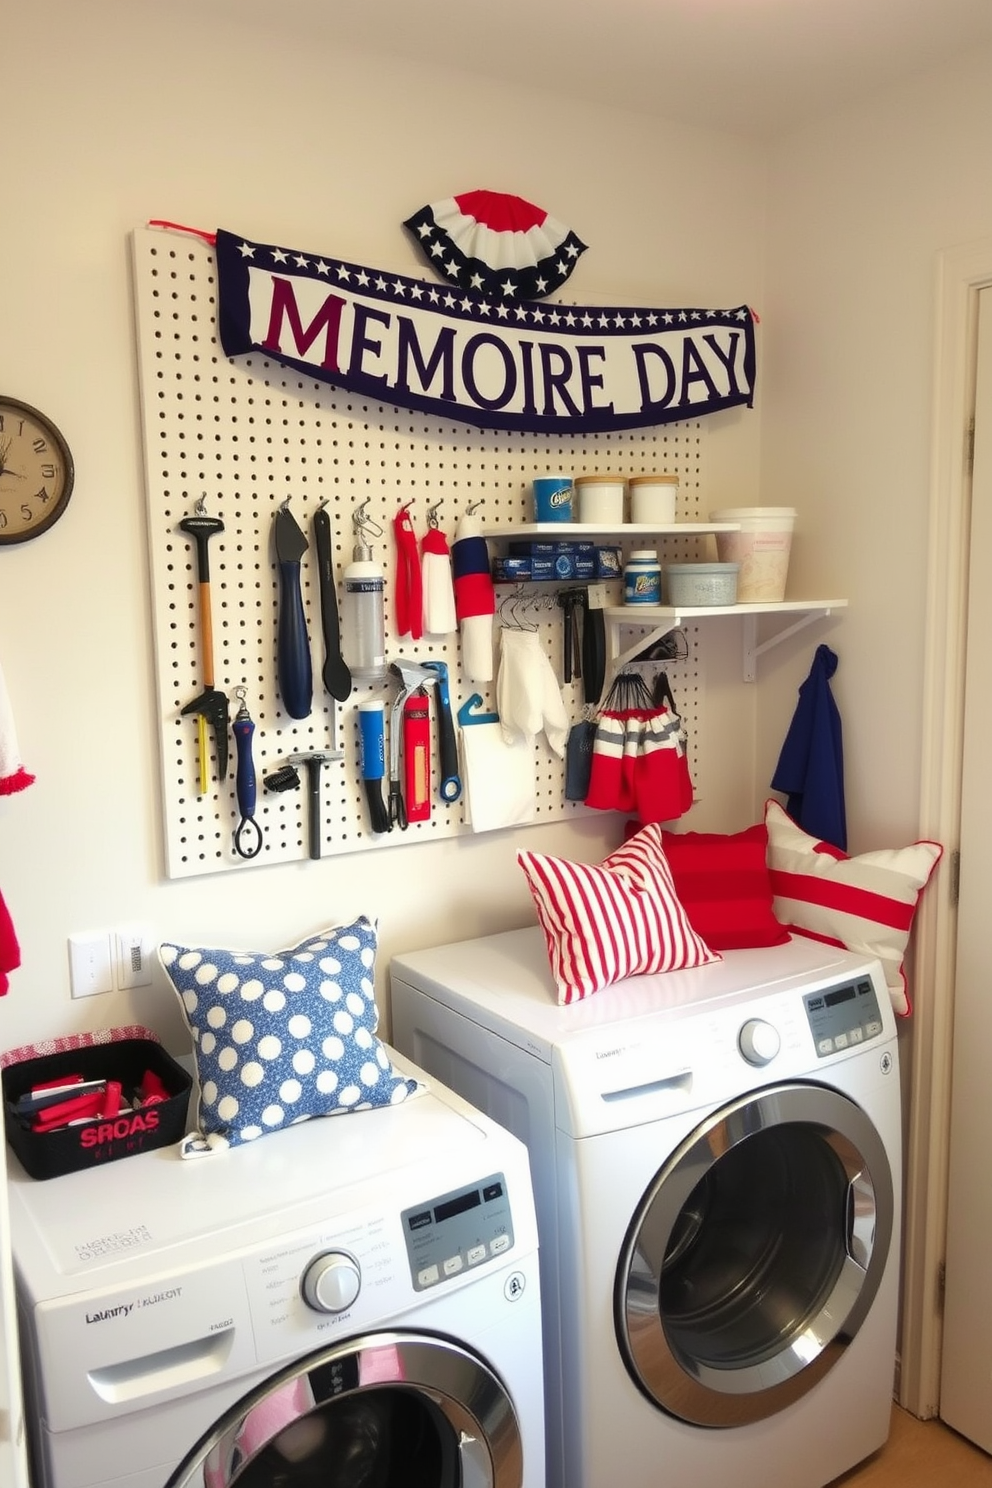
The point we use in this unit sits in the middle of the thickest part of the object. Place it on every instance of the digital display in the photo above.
(843, 1017)
(459, 1205)
(455, 1232)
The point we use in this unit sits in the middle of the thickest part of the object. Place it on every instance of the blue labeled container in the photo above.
(642, 578)
(553, 498)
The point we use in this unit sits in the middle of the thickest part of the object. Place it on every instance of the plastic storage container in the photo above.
(642, 579)
(553, 496)
(761, 547)
(97, 1141)
(652, 499)
(701, 584)
(599, 500)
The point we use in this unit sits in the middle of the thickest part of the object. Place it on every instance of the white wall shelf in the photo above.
(566, 531)
(658, 620)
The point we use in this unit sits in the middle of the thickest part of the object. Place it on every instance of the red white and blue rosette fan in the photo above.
(497, 244)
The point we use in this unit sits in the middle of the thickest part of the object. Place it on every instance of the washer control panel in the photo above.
(843, 1017)
(457, 1231)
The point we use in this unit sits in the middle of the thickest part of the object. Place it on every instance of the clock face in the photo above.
(35, 472)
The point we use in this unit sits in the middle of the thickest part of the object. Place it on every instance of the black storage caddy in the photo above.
(98, 1141)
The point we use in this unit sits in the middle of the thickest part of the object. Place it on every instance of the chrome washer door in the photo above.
(755, 1255)
(388, 1410)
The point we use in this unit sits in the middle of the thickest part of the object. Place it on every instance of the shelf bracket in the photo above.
(753, 648)
(619, 658)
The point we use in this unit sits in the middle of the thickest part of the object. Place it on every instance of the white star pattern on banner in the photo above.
(481, 352)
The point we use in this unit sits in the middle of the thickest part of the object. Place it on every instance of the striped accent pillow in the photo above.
(864, 903)
(606, 921)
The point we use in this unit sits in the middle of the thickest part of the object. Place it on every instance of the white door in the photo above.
(966, 1360)
(13, 1460)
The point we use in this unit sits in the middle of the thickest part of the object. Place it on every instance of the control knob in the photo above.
(331, 1281)
(758, 1041)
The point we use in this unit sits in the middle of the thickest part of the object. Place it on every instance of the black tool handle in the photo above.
(295, 672)
(313, 807)
(450, 787)
(201, 530)
(336, 675)
(593, 655)
(566, 605)
(397, 810)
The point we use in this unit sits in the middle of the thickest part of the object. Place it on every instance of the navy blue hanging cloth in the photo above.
(810, 768)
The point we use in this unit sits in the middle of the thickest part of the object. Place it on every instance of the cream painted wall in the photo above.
(124, 110)
(859, 208)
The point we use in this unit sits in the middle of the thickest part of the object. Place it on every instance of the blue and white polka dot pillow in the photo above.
(282, 1036)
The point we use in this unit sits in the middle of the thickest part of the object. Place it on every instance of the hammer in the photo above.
(211, 706)
(313, 759)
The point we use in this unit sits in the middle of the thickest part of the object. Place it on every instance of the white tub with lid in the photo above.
(599, 499)
(761, 547)
(652, 499)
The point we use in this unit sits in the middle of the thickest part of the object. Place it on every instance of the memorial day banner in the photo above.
(537, 366)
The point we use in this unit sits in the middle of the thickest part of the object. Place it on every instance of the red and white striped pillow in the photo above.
(865, 903)
(611, 920)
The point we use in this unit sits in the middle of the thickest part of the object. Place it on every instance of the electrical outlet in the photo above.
(90, 968)
(134, 956)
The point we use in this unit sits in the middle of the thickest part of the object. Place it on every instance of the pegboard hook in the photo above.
(362, 522)
(200, 509)
(474, 506)
(432, 520)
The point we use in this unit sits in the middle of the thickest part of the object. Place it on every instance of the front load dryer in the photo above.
(352, 1301)
(716, 1161)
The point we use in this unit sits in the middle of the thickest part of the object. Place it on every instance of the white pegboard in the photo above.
(245, 434)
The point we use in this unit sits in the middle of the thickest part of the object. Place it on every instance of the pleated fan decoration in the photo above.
(497, 244)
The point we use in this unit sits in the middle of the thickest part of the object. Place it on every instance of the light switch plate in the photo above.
(90, 969)
(134, 956)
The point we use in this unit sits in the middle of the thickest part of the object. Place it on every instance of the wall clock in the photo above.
(36, 473)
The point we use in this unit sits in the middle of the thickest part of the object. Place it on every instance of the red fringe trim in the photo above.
(20, 780)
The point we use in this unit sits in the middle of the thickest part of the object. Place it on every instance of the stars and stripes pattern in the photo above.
(496, 244)
(495, 362)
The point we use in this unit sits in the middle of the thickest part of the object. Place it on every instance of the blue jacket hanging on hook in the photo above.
(810, 769)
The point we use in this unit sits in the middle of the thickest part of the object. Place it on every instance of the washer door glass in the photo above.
(389, 1410)
(755, 1255)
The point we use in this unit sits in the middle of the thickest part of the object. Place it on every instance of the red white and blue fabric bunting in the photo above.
(496, 244)
(462, 354)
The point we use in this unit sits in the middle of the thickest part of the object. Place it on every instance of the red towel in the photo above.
(409, 596)
(10, 951)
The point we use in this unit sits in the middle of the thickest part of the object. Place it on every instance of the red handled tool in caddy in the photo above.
(414, 679)
(417, 756)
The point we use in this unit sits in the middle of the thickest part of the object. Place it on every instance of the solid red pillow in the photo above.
(724, 886)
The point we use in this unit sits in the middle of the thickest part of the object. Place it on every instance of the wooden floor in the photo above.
(921, 1454)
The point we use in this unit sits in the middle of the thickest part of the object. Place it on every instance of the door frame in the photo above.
(960, 273)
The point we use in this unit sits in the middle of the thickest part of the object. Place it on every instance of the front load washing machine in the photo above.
(716, 1161)
(352, 1302)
